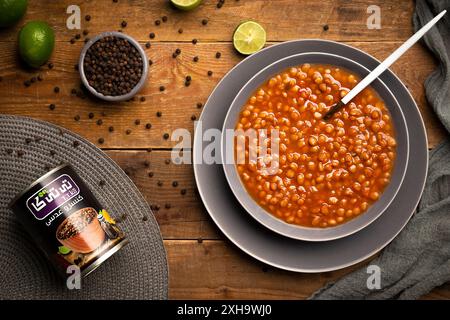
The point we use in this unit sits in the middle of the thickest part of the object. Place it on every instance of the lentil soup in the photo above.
(328, 172)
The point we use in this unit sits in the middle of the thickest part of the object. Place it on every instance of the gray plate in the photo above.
(295, 231)
(283, 252)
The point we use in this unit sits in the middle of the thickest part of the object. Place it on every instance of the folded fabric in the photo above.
(418, 260)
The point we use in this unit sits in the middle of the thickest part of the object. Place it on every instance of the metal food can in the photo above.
(68, 223)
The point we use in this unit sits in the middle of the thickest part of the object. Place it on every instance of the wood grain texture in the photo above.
(177, 102)
(283, 19)
(218, 270)
(186, 218)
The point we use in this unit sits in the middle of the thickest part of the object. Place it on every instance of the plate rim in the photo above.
(274, 264)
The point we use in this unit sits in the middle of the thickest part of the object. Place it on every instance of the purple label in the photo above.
(52, 196)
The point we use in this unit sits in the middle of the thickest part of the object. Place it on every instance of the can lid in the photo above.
(14, 200)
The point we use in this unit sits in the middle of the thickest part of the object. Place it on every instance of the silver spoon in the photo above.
(383, 66)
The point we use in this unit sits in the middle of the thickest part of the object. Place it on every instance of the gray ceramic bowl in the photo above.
(305, 233)
(136, 88)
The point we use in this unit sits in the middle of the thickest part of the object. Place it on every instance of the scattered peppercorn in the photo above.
(144, 218)
(101, 140)
(128, 131)
(111, 129)
(142, 99)
(137, 122)
(193, 117)
(50, 65)
(85, 32)
(199, 105)
(183, 191)
(326, 27)
(157, 22)
(159, 114)
(194, 41)
(76, 144)
(56, 90)
(20, 153)
(195, 59)
(147, 163)
(52, 107)
(218, 55)
(91, 115)
(200, 240)
(167, 161)
(178, 51)
(27, 83)
(152, 35)
(188, 78)
(124, 24)
(187, 83)
(77, 36)
(167, 205)
(150, 174)
(73, 91)
(87, 18)
(174, 55)
(180, 30)
(166, 136)
(210, 73)
(148, 45)
(76, 118)
(99, 122)
(164, 18)
(159, 183)
(148, 126)
(162, 88)
(72, 41)
(175, 184)
(204, 22)
(28, 140)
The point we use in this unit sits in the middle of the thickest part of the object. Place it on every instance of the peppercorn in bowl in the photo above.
(113, 66)
(303, 176)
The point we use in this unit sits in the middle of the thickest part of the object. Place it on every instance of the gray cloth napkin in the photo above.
(418, 260)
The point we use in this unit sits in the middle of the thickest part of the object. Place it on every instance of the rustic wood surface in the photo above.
(203, 264)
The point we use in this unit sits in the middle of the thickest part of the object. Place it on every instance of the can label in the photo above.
(67, 221)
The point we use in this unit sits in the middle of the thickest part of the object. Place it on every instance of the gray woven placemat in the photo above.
(138, 271)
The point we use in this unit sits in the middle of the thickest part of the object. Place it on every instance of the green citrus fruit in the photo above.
(186, 5)
(36, 43)
(11, 11)
(249, 37)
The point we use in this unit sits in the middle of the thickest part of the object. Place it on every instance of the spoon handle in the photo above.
(385, 64)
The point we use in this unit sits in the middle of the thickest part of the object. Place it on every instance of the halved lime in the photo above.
(186, 5)
(249, 37)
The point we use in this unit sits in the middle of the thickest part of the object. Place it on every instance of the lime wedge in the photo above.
(249, 37)
(186, 5)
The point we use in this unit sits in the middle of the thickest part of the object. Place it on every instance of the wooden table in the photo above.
(203, 264)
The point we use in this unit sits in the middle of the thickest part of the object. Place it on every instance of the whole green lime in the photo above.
(11, 11)
(36, 43)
